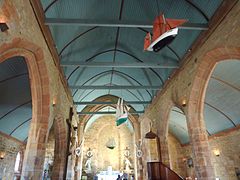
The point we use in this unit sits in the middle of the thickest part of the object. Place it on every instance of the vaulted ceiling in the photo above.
(15, 99)
(221, 105)
(91, 31)
(84, 32)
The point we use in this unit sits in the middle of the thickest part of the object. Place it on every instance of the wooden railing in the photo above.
(159, 171)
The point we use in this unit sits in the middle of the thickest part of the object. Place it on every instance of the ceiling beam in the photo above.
(115, 87)
(109, 103)
(106, 112)
(116, 23)
(119, 65)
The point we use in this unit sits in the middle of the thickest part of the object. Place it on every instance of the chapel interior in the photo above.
(119, 89)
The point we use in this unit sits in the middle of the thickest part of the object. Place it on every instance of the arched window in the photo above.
(17, 162)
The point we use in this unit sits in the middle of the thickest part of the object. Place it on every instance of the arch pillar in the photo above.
(199, 143)
(39, 84)
(61, 148)
(162, 130)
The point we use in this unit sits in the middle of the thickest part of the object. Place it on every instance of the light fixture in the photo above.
(111, 144)
(2, 154)
(216, 152)
(3, 26)
(190, 162)
(184, 102)
(150, 134)
(54, 101)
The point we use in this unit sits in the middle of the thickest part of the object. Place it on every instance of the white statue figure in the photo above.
(128, 164)
(89, 161)
(139, 149)
(88, 164)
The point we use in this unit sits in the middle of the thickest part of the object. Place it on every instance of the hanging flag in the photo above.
(121, 112)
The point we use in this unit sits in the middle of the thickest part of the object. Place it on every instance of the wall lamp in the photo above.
(2, 154)
(54, 101)
(216, 152)
(4, 27)
(184, 102)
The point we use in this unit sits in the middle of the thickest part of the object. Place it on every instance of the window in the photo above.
(17, 163)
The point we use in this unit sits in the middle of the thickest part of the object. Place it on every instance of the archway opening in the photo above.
(221, 115)
(15, 113)
(178, 139)
(49, 155)
(112, 147)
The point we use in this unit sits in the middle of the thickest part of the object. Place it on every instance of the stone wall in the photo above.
(49, 154)
(176, 156)
(11, 147)
(225, 165)
(96, 137)
(25, 38)
(221, 42)
(229, 158)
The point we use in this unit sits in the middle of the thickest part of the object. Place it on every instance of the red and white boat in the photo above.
(164, 31)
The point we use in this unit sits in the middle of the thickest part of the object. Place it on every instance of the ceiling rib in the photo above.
(15, 109)
(108, 94)
(116, 23)
(226, 83)
(75, 38)
(119, 65)
(20, 126)
(198, 9)
(121, 74)
(129, 54)
(218, 110)
(106, 112)
(109, 103)
(115, 87)
(13, 77)
(115, 71)
(50, 5)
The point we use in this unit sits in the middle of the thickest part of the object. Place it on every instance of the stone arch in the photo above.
(194, 111)
(61, 148)
(177, 136)
(162, 129)
(204, 71)
(106, 98)
(133, 119)
(39, 84)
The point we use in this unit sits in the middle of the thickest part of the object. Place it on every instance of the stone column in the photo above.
(199, 141)
(138, 161)
(79, 159)
(34, 153)
(164, 149)
(60, 151)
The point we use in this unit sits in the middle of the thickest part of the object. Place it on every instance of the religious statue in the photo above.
(128, 164)
(89, 161)
(139, 149)
(74, 138)
(78, 149)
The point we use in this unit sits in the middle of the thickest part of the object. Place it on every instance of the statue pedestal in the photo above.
(88, 171)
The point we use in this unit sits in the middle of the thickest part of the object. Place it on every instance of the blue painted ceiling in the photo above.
(113, 44)
(221, 105)
(15, 101)
(106, 44)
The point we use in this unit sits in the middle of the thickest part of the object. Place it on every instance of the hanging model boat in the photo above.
(164, 31)
(121, 112)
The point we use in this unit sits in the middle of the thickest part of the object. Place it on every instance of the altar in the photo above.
(109, 174)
